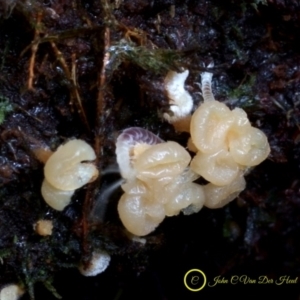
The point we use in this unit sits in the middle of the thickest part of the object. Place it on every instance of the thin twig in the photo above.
(100, 100)
(76, 92)
(34, 49)
(71, 76)
(63, 35)
(99, 139)
(61, 59)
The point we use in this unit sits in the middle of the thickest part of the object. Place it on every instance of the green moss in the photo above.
(255, 3)
(157, 61)
(244, 92)
(4, 253)
(5, 107)
(49, 286)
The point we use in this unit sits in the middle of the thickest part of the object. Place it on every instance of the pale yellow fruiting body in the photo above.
(249, 147)
(214, 127)
(65, 169)
(226, 145)
(161, 185)
(218, 168)
(56, 198)
(209, 126)
(143, 206)
(162, 161)
(43, 227)
(218, 196)
(139, 212)
(159, 179)
(140, 215)
(189, 195)
(191, 146)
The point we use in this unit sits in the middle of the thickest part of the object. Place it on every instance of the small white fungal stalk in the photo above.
(206, 78)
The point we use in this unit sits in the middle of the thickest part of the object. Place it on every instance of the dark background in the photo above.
(255, 49)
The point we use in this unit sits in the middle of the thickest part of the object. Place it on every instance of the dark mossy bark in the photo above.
(88, 69)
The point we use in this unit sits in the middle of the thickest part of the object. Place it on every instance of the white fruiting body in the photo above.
(180, 100)
(98, 264)
(11, 292)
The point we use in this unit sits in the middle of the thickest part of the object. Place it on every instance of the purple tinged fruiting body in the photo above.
(158, 183)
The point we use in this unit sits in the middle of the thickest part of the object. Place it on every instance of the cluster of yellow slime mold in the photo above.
(226, 145)
(161, 186)
(159, 175)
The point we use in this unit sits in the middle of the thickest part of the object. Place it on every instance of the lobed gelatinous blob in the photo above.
(139, 214)
(159, 178)
(218, 168)
(130, 144)
(135, 187)
(250, 147)
(138, 209)
(188, 198)
(209, 126)
(56, 198)
(214, 127)
(162, 162)
(241, 120)
(160, 181)
(219, 196)
(67, 169)
(225, 141)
